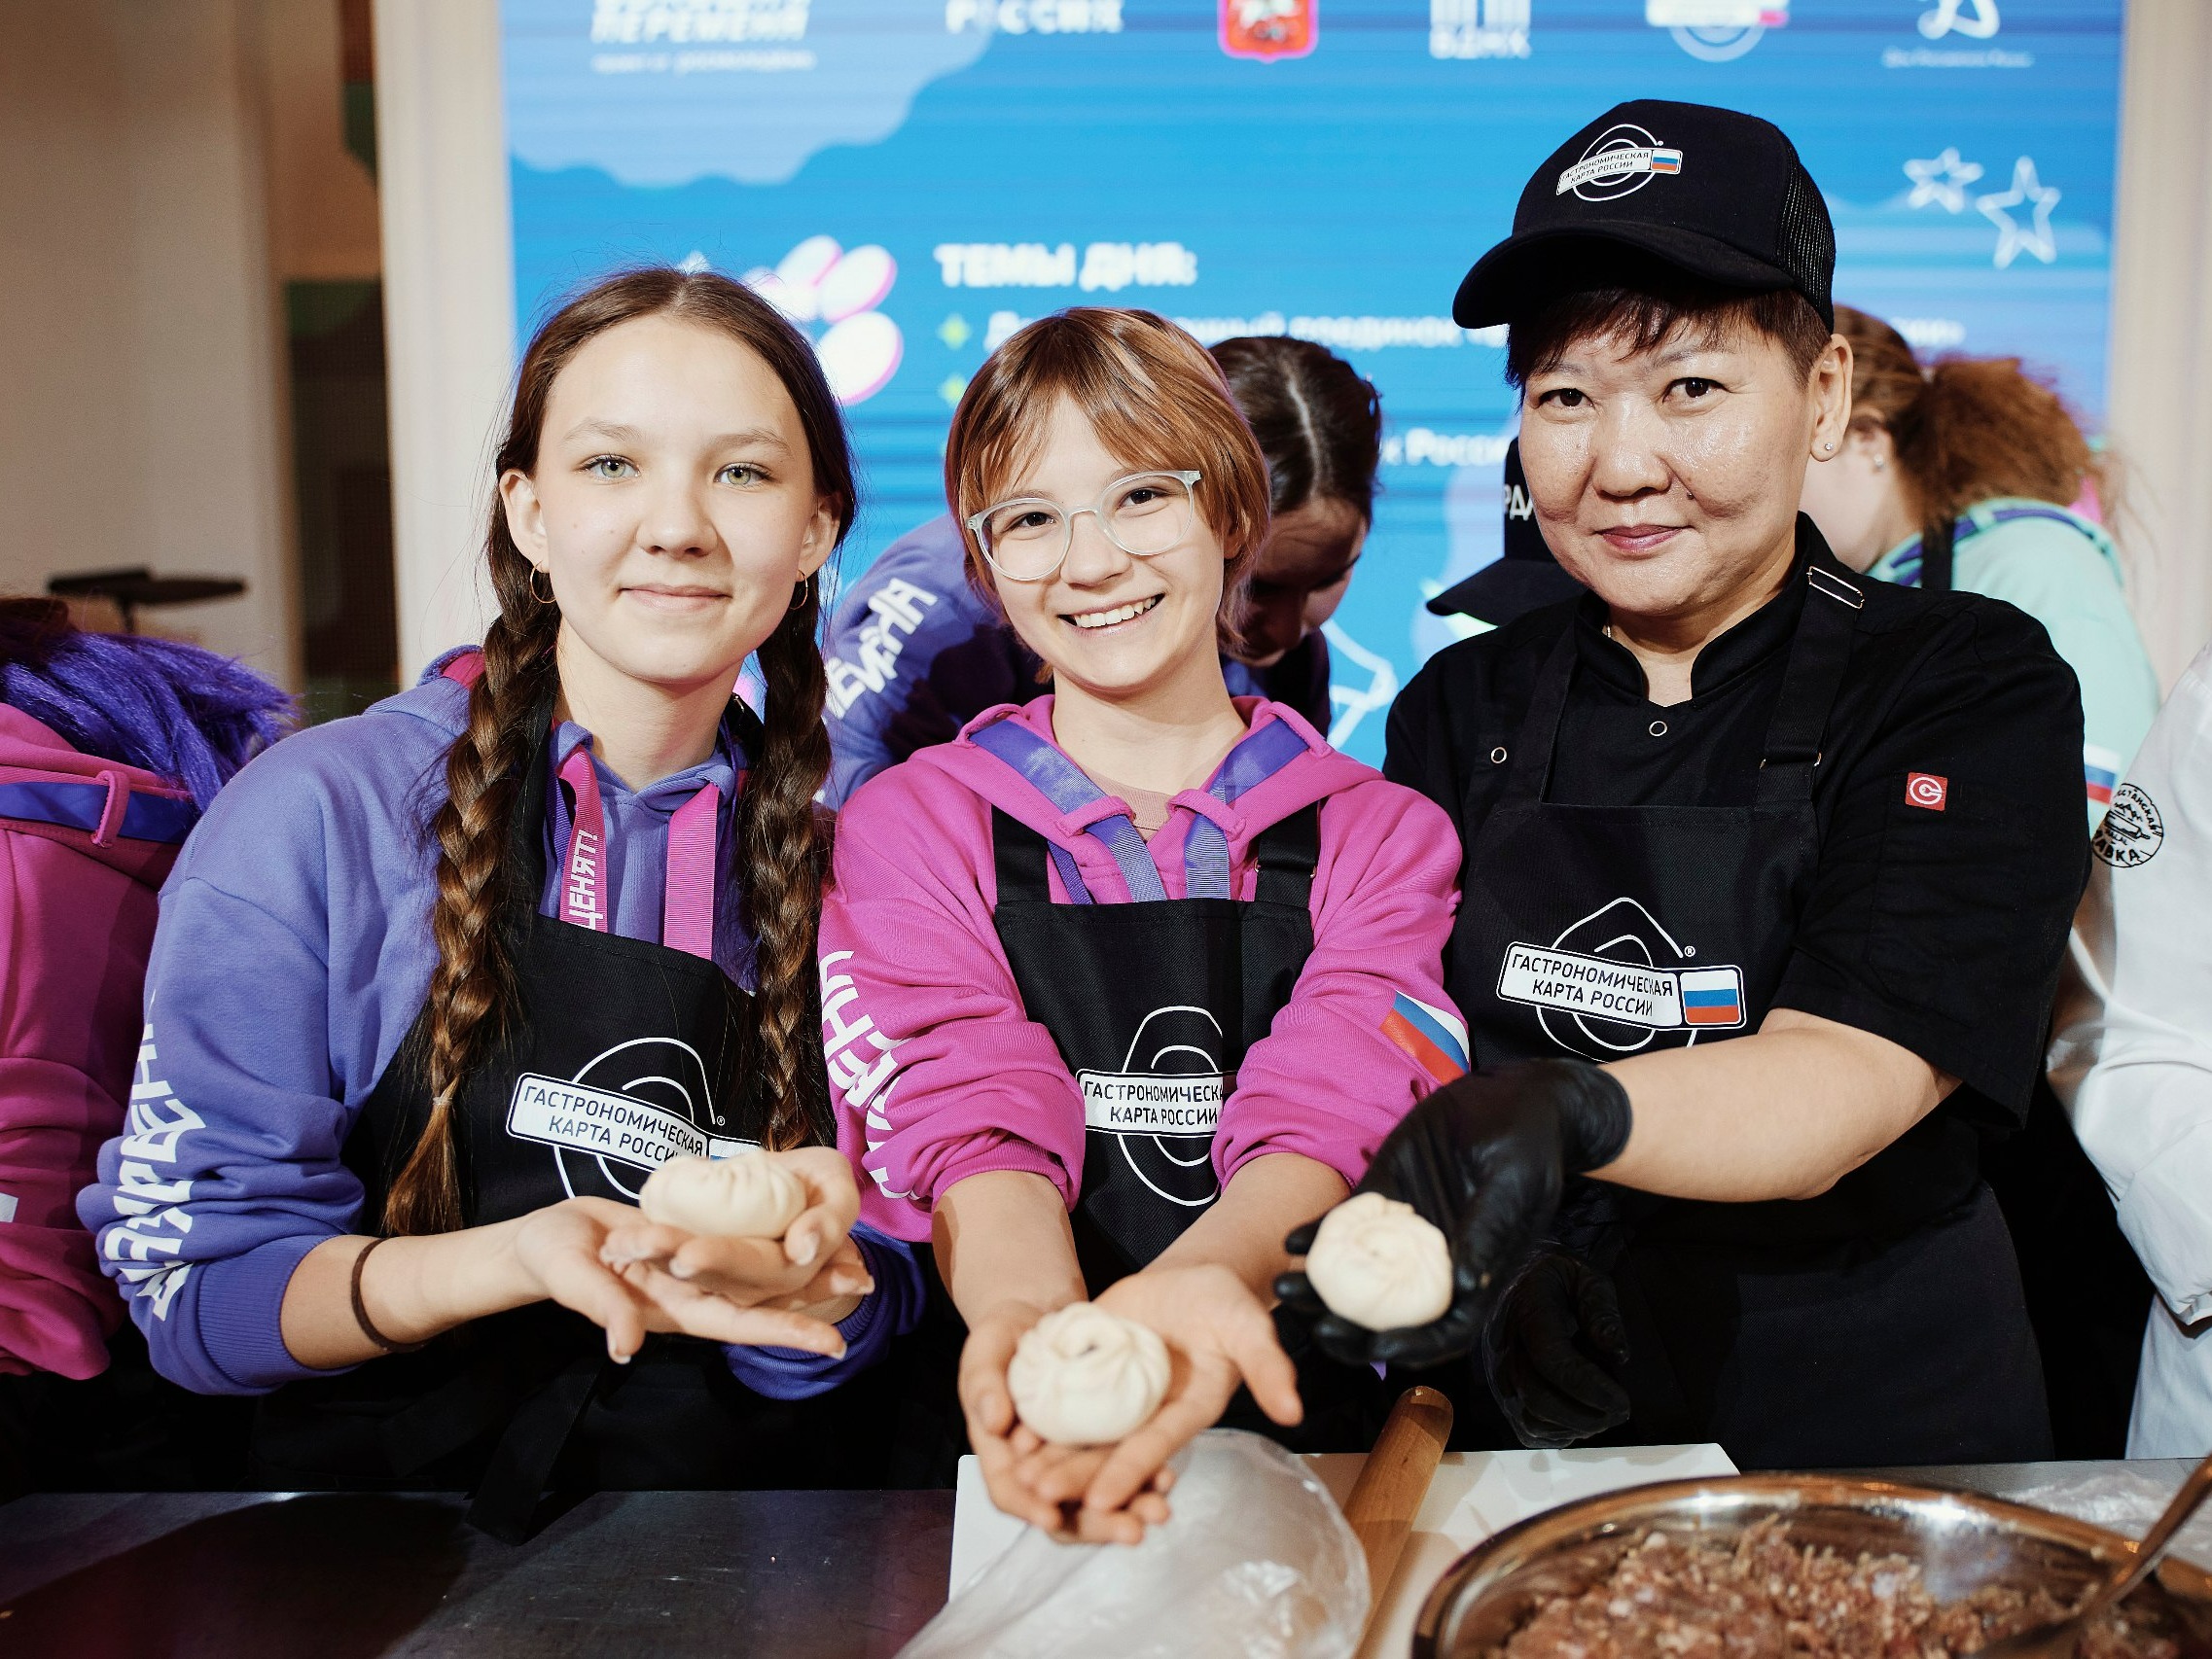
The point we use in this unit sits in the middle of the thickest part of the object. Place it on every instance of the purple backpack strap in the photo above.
(105, 810)
(1062, 781)
(2057, 515)
(1252, 762)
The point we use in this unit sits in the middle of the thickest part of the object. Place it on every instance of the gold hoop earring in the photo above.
(800, 591)
(546, 598)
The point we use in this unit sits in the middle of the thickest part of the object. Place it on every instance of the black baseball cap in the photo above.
(1715, 193)
(1524, 577)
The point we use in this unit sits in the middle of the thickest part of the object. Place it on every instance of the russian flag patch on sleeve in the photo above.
(1437, 1040)
(2100, 773)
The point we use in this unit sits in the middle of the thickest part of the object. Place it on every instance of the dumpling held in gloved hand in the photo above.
(1380, 1263)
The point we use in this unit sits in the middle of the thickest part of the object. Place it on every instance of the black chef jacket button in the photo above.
(1498, 756)
(1658, 728)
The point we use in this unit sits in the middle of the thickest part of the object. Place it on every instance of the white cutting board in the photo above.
(1473, 1495)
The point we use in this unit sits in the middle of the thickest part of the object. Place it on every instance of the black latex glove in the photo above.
(1483, 1158)
(1537, 1353)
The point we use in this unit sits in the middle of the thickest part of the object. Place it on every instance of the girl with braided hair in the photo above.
(436, 988)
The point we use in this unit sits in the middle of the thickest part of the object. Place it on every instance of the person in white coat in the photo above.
(2133, 1054)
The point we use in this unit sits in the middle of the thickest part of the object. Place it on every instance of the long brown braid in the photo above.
(783, 841)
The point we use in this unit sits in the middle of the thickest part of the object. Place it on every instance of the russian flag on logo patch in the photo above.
(2100, 773)
(1666, 160)
(1435, 1040)
(1712, 996)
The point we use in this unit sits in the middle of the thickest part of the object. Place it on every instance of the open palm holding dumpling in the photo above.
(750, 1196)
(760, 1229)
(1081, 1376)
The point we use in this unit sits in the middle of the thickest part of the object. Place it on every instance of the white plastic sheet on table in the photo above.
(1473, 1495)
(2126, 1501)
(1257, 1562)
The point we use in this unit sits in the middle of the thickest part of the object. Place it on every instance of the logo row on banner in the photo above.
(759, 34)
(835, 294)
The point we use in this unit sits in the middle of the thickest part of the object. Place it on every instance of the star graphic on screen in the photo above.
(1942, 181)
(2014, 238)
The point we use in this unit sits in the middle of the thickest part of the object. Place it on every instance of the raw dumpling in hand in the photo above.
(1085, 1377)
(750, 1196)
(1380, 1263)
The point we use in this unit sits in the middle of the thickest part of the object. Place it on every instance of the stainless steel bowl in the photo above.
(1961, 1540)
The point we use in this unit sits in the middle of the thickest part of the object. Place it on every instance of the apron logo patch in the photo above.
(1624, 993)
(580, 1119)
(1925, 789)
(1142, 1102)
(1161, 1107)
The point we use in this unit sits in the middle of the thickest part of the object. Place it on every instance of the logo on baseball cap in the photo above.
(1714, 193)
(1620, 162)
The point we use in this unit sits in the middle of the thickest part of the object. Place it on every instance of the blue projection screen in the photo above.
(912, 179)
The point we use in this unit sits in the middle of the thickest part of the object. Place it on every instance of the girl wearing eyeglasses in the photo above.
(1126, 982)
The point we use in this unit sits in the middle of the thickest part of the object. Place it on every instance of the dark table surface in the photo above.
(243, 1576)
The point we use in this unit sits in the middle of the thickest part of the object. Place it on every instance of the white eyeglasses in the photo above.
(1027, 539)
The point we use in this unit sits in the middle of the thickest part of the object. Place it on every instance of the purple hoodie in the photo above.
(937, 1070)
(292, 955)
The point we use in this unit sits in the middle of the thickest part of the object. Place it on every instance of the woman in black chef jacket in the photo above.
(1767, 871)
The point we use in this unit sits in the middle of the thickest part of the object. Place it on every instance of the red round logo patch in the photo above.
(1925, 789)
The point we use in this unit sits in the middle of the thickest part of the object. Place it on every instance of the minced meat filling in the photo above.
(1671, 1597)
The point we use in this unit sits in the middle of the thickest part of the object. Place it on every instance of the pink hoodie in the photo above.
(938, 1072)
(77, 910)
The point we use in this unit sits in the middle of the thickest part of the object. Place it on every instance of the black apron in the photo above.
(1878, 1324)
(1153, 1006)
(617, 1061)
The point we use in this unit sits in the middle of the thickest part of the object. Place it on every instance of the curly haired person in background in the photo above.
(1963, 473)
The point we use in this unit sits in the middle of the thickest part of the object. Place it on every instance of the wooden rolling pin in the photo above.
(1395, 1477)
